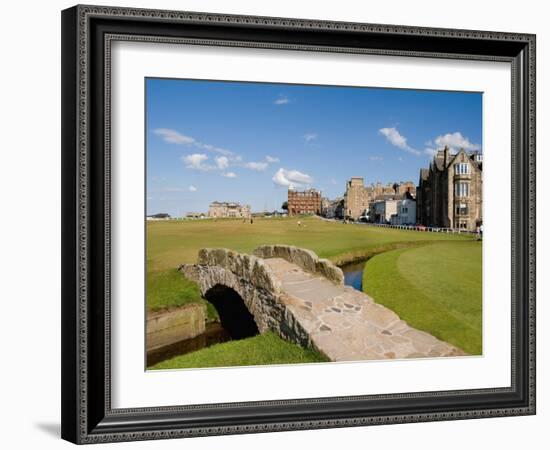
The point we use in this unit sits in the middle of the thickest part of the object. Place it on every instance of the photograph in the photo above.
(296, 223)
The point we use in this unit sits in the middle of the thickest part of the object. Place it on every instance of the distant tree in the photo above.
(284, 206)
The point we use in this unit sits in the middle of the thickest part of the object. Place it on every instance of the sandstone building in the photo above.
(304, 202)
(356, 198)
(359, 199)
(449, 192)
(228, 209)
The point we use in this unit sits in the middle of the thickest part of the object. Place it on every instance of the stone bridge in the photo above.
(302, 298)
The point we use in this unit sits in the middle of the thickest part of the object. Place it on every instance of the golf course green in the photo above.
(435, 288)
(432, 280)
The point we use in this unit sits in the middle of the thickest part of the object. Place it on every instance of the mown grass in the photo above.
(175, 242)
(263, 349)
(435, 288)
(172, 243)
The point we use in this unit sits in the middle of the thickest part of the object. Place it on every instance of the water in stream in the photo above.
(353, 274)
(214, 334)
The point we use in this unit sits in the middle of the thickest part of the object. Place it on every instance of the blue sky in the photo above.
(248, 142)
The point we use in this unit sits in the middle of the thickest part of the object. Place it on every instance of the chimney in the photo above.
(445, 156)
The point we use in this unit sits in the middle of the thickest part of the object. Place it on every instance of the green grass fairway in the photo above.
(175, 242)
(258, 350)
(435, 288)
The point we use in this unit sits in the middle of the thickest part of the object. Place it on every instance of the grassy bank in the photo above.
(167, 289)
(436, 288)
(258, 350)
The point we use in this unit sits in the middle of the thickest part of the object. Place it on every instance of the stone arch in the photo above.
(235, 316)
(248, 276)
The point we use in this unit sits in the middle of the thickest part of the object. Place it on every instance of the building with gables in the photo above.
(449, 192)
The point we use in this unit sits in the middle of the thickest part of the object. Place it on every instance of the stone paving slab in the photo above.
(346, 324)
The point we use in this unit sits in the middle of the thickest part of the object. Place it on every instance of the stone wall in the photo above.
(251, 278)
(305, 259)
(174, 325)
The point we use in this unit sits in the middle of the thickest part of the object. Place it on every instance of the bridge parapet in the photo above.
(249, 267)
(303, 258)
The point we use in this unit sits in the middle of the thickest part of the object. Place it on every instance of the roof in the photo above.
(384, 197)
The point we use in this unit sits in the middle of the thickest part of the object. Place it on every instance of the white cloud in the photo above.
(222, 162)
(310, 137)
(213, 148)
(281, 100)
(259, 166)
(455, 141)
(201, 161)
(173, 137)
(398, 140)
(196, 161)
(291, 178)
(376, 158)
(192, 188)
(271, 159)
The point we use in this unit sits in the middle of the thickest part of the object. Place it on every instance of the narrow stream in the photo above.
(353, 274)
(214, 334)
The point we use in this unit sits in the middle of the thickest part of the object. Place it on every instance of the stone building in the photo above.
(356, 198)
(359, 198)
(304, 202)
(449, 192)
(228, 210)
(404, 188)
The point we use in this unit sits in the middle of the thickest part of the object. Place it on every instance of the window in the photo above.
(462, 189)
(462, 210)
(462, 169)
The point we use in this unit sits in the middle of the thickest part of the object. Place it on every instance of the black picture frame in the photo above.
(87, 415)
